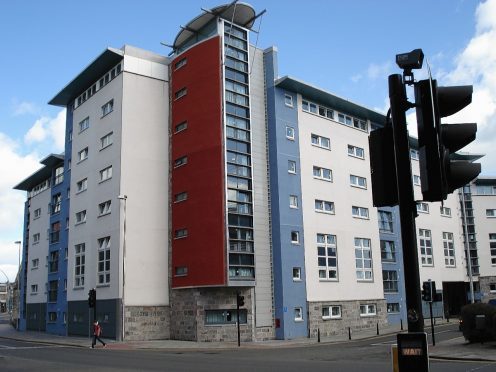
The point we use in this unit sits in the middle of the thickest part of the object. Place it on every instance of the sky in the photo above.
(345, 47)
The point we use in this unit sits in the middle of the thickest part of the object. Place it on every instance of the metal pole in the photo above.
(123, 306)
(18, 242)
(237, 318)
(467, 249)
(408, 212)
(432, 325)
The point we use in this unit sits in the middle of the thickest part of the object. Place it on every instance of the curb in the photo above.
(459, 359)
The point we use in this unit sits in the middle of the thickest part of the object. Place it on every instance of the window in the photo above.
(393, 307)
(290, 133)
(385, 221)
(357, 181)
(388, 251)
(104, 208)
(449, 249)
(108, 107)
(426, 247)
(52, 317)
(104, 260)
(180, 63)
(34, 288)
(360, 124)
(293, 201)
(37, 213)
(324, 206)
(36, 238)
(296, 274)
(298, 314)
(327, 257)
(182, 196)
(81, 217)
(367, 310)
(59, 174)
(217, 317)
(490, 212)
(320, 141)
(82, 185)
(295, 237)
(356, 152)
(83, 154)
(360, 212)
(79, 264)
(180, 93)
(492, 247)
(422, 207)
(52, 290)
(291, 166)
(35, 263)
(446, 212)
(390, 281)
(84, 124)
(331, 312)
(416, 180)
(53, 264)
(288, 100)
(106, 140)
(180, 127)
(180, 233)
(344, 119)
(106, 174)
(363, 259)
(414, 154)
(56, 203)
(181, 271)
(183, 160)
(322, 173)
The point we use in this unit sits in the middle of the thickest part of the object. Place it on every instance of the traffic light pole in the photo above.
(407, 207)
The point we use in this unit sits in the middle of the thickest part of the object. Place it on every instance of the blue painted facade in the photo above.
(23, 277)
(289, 294)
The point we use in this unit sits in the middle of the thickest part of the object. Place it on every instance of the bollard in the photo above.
(349, 333)
(377, 328)
(401, 322)
(318, 335)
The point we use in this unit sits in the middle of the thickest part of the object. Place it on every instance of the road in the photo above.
(364, 355)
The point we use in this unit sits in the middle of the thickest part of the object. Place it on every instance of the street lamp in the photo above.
(123, 308)
(18, 242)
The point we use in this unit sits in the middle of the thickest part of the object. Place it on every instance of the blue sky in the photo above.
(346, 47)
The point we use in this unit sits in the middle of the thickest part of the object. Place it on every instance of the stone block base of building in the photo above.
(350, 317)
(487, 287)
(147, 323)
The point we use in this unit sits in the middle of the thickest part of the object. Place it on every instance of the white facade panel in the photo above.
(484, 225)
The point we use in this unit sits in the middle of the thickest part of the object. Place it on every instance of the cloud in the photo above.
(48, 128)
(356, 78)
(375, 71)
(23, 108)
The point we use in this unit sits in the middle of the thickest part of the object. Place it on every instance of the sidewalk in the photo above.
(454, 349)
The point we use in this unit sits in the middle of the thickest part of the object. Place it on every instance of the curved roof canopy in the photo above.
(241, 14)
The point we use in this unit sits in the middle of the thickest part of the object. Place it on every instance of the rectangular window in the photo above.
(182, 196)
(327, 257)
(59, 174)
(290, 133)
(55, 232)
(181, 271)
(331, 312)
(360, 212)
(180, 63)
(414, 154)
(106, 140)
(492, 287)
(449, 249)
(356, 152)
(52, 290)
(84, 124)
(228, 316)
(180, 93)
(388, 251)
(53, 263)
(344, 119)
(426, 247)
(357, 181)
(37, 213)
(81, 217)
(79, 265)
(416, 180)
(34, 288)
(293, 201)
(490, 212)
(322, 173)
(108, 107)
(35, 263)
(291, 166)
(298, 314)
(83, 154)
(492, 247)
(104, 260)
(393, 307)
(390, 281)
(106, 174)
(324, 206)
(180, 127)
(104, 208)
(360, 124)
(363, 259)
(320, 141)
(82, 185)
(288, 100)
(445, 211)
(422, 207)
(56, 203)
(183, 160)
(180, 233)
(36, 238)
(385, 221)
(296, 274)
(295, 237)
(368, 310)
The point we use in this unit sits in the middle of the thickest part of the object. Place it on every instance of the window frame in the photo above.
(363, 258)
(368, 312)
(107, 108)
(330, 312)
(292, 167)
(327, 243)
(354, 177)
(325, 204)
(103, 263)
(449, 249)
(353, 152)
(425, 257)
(359, 212)
(288, 102)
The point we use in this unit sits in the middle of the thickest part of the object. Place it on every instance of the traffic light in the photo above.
(383, 167)
(92, 298)
(240, 300)
(439, 174)
(427, 291)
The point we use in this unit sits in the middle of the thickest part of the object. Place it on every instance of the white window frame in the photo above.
(34, 289)
(449, 249)
(320, 173)
(414, 154)
(182, 62)
(355, 181)
(416, 180)
(79, 267)
(35, 263)
(317, 141)
(425, 246)
(82, 185)
(181, 161)
(181, 127)
(103, 271)
(291, 166)
(288, 100)
(388, 307)
(106, 140)
(368, 310)
(352, 151)
(329, 313)
(106, 174)
(364, 259)
(293, 201)
(492, 248)
(37, 213)
(180, 93)
(83, 154)
(392, 281)
(105, 208)
(36, 238)
(324, 206)
(491, 213)
(422, 207)
(180, 197)
(107, 108)
(296, 274)
(84, 124)
(295, 237)
(445, 211)
(180, 233)
(290, 133)
(81, 217)
(327, 251)
(298, 314)
(360, 212)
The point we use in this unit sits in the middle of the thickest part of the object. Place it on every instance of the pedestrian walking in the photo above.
(97, 332)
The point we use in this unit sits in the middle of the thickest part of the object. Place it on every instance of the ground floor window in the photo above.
(52, 317)
(393, 307)
(368, 310)
(218, 317)
(331, 312)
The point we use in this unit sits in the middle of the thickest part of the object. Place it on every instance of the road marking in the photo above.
(30, 347)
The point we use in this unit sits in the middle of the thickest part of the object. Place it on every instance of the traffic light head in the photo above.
(92, 298)
(240, 299)
(427, 291)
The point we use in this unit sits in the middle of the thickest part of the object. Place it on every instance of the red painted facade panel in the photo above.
(203, 251)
